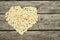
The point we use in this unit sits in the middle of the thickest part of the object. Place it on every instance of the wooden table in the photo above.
(47, 27)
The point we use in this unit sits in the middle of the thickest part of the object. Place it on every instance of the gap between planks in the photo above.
(37, 13)
(37, 30)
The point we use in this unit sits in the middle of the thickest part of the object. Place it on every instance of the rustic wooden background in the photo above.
(47, 27)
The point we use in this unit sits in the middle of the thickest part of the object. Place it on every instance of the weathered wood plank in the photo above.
(43, 6)
(49, 7)
(4, 6)
(30, 35)
(45, 21)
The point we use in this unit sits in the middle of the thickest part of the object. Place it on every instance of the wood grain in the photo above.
(42, 6)
(45, 21)
(49, 19)
(30, 35)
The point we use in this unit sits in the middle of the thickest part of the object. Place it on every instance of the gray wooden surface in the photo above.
(43, 7)
(30, 35)
(45, 21)
(46, 28)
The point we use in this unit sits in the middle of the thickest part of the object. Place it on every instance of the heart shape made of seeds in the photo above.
(21, 18)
